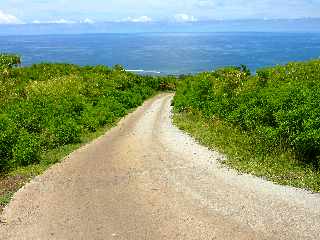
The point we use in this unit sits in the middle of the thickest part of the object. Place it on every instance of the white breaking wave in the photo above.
(142, 71)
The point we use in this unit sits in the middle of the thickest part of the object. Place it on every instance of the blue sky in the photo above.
(71, 11)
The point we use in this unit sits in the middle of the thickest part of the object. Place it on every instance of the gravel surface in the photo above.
(145, 179)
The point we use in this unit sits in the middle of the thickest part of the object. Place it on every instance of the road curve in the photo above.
(145, 179)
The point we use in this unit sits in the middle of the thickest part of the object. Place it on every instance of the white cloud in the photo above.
(206, 4)
(182, 17)
(60, 21)
(88, 21)
(137, 19)
(64, 21)
(6, 18)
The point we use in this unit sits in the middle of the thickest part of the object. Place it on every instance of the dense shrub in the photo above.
(279, 105)
(8, 136)
(7, 62)
(64, 131)
(46, 106)
(26, 149)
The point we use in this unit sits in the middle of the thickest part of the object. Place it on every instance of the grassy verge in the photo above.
(244, 152)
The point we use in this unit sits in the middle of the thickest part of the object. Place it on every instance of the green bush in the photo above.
(7, 62)
(26, 150)
(64, 131)
(8, 137)
(26, 115)
(97, 116)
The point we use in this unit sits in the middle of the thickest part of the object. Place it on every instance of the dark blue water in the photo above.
(167, 53)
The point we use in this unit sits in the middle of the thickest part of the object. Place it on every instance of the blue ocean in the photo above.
(166, 53)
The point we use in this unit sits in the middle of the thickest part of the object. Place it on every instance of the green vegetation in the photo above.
(47, 106)
(267, 124)
(7, 62)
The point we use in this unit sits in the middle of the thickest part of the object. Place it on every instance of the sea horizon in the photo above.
(169, 53)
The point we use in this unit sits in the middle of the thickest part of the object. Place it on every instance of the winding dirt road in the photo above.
(147, 180)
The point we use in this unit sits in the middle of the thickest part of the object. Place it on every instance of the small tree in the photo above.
(245, 69)
(119, 68)
(7, 62)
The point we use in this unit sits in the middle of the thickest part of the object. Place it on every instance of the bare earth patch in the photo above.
(8, 186)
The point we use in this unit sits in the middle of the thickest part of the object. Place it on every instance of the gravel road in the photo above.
(145, 179)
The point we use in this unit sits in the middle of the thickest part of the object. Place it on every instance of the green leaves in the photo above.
(26, 150)
(7, 62)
